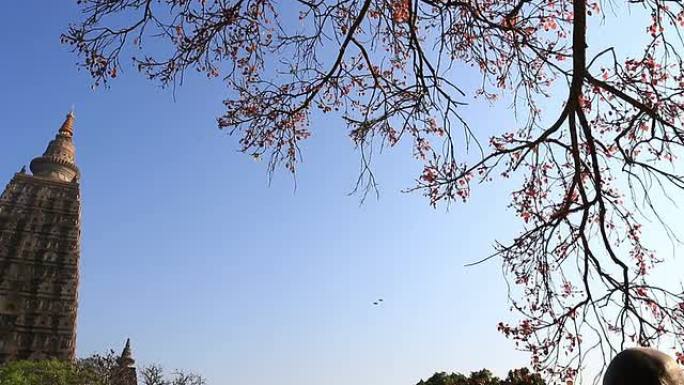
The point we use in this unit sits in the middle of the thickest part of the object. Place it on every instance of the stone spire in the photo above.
(67, 128)
(59, 159)
(126, 359)
(126, 373)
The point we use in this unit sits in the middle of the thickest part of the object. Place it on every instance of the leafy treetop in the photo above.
(94, 370)
(521, 376)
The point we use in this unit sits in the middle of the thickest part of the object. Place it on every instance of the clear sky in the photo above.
(187, 249)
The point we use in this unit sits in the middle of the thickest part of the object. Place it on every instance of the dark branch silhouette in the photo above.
(592, 170)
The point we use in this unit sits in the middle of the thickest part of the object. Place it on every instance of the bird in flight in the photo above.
(377, 302)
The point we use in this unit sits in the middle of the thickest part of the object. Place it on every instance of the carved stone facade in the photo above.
(39, 255)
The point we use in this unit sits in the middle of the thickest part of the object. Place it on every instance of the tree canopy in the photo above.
(52, 372)
(93, 370)
(593, 163)
(521, 376)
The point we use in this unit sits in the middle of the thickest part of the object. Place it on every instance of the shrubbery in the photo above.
(52, 372)
(93, 370)
(99, 370)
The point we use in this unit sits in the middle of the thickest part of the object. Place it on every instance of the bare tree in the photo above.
(592, 168)
(154, 375)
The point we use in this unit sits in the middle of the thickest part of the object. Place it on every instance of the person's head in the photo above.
(643, 366)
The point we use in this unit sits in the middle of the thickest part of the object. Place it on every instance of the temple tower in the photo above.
(126, 372)
(39, 254)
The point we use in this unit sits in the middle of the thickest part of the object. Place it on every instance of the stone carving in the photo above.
(643, 366)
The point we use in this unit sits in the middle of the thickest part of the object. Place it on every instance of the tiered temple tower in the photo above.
(126, 373)
(39, 254)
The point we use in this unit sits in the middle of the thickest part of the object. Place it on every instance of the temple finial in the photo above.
(67, 128)
(59, 159)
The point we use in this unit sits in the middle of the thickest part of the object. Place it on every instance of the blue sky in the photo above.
(189, 251)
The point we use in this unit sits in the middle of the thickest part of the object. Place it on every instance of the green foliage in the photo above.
(484, 377)
(523, 376)
(52, 372)
(94, 370)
